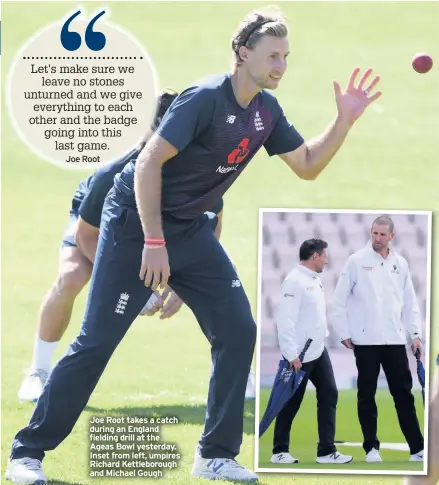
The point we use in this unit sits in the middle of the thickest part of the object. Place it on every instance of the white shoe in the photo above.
(221, 469)
(250, 392)
(283, 458)
(374, 456)
(26, 471)
(32, 385)
(417, 456)
(334, 458)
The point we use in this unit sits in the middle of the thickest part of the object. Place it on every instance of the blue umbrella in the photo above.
(286, 383)
(421, 373)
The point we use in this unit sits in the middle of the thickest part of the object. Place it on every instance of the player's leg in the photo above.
(322, 376)
(284, 421)
(115, 299)
(55, 312)
(202, 275)
(399, 377)
(367, 359)
(250, 390)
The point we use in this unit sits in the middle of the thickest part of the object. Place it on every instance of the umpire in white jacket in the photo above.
(374, 307)
(302, 316)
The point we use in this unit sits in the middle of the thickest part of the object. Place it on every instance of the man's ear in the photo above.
(243, 53)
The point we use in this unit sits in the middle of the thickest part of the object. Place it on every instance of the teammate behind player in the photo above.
(76, 259)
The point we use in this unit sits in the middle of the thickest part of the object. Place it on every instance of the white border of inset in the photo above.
(348, 471)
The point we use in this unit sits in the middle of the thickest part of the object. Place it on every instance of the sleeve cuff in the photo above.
(291, 355)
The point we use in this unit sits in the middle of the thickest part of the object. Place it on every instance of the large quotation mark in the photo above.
(71, 41)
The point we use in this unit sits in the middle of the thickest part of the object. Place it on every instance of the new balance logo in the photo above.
(230, 119)
(258, 122)
(122, 303)
(215, 464)
(236, 283)
(217, 467)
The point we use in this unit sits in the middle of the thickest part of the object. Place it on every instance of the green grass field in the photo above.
(389, 161)
(304, 434)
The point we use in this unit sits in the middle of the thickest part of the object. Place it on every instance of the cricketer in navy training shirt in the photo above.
(154, 230)
(216, 139)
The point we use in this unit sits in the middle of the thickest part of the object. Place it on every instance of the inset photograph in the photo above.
(344, 334)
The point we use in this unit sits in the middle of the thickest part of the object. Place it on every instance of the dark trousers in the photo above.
(321, 374)
(203, 276)
(395, 364)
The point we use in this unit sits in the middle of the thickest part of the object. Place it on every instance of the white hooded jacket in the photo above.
(374, 302)
(301, 314)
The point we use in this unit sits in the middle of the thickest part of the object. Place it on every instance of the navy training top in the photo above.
(216, 139)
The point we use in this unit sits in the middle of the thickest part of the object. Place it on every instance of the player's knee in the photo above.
(250, 331)
(92, 351)
(328, 395)
(231, 326)
(72, 278)
(244, 334)
(333, 394)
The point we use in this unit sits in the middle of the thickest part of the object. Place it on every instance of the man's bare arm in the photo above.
(312, 157)
(148, 183)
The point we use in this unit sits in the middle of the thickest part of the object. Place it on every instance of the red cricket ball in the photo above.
(422, 63)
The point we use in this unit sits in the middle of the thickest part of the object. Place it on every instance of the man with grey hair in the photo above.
(374, 306)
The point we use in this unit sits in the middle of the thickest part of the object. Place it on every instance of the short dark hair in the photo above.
(164, 100)
(384, 221)
(311, 246)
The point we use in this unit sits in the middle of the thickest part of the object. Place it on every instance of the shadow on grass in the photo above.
(186, 413)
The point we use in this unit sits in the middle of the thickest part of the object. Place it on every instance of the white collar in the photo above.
(307, 271)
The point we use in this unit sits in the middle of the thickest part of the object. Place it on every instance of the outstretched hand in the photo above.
(353, 101)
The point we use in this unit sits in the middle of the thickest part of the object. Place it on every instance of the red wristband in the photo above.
(155, 241)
